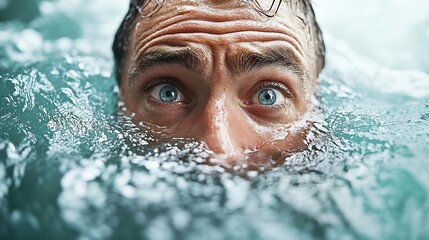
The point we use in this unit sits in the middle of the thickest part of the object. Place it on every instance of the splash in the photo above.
(72, 167)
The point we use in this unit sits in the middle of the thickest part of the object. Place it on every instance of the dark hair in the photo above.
(122, 37)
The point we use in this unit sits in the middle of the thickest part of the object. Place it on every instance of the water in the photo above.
(72, 168)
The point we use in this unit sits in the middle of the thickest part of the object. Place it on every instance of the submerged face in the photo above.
(221, 73)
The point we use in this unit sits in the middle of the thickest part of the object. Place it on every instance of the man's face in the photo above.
(219, 72)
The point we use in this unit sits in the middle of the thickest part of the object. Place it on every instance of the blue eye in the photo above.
(166, 93)
(269, 97)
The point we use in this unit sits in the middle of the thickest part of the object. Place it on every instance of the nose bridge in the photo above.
(217, 133)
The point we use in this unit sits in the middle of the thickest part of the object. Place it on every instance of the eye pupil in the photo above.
(168, 93)
(267, 97)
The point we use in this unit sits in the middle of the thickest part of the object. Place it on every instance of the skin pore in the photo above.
(219, 72)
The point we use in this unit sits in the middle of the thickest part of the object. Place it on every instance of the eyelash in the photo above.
(149, 86)
(146, 89)
(266, 84)
(277, 85)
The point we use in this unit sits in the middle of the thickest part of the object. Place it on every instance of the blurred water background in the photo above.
(70, 168)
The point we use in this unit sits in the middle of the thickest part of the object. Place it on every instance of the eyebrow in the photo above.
(276, 56)
(240, 63)
(185, 57)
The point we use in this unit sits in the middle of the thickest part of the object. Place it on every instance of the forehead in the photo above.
(172, 22)
(285, 12)
(219, 17)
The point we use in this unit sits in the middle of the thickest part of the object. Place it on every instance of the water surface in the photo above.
(71, 168)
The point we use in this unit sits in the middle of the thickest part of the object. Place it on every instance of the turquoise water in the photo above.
(72, 168)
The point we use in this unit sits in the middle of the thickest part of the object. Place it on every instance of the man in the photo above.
(234, 74)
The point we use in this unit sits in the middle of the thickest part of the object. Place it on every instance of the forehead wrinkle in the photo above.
(244, 61)
(186, 57)
(211, 22)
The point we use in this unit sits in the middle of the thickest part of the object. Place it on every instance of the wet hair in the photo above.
(302, 9)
